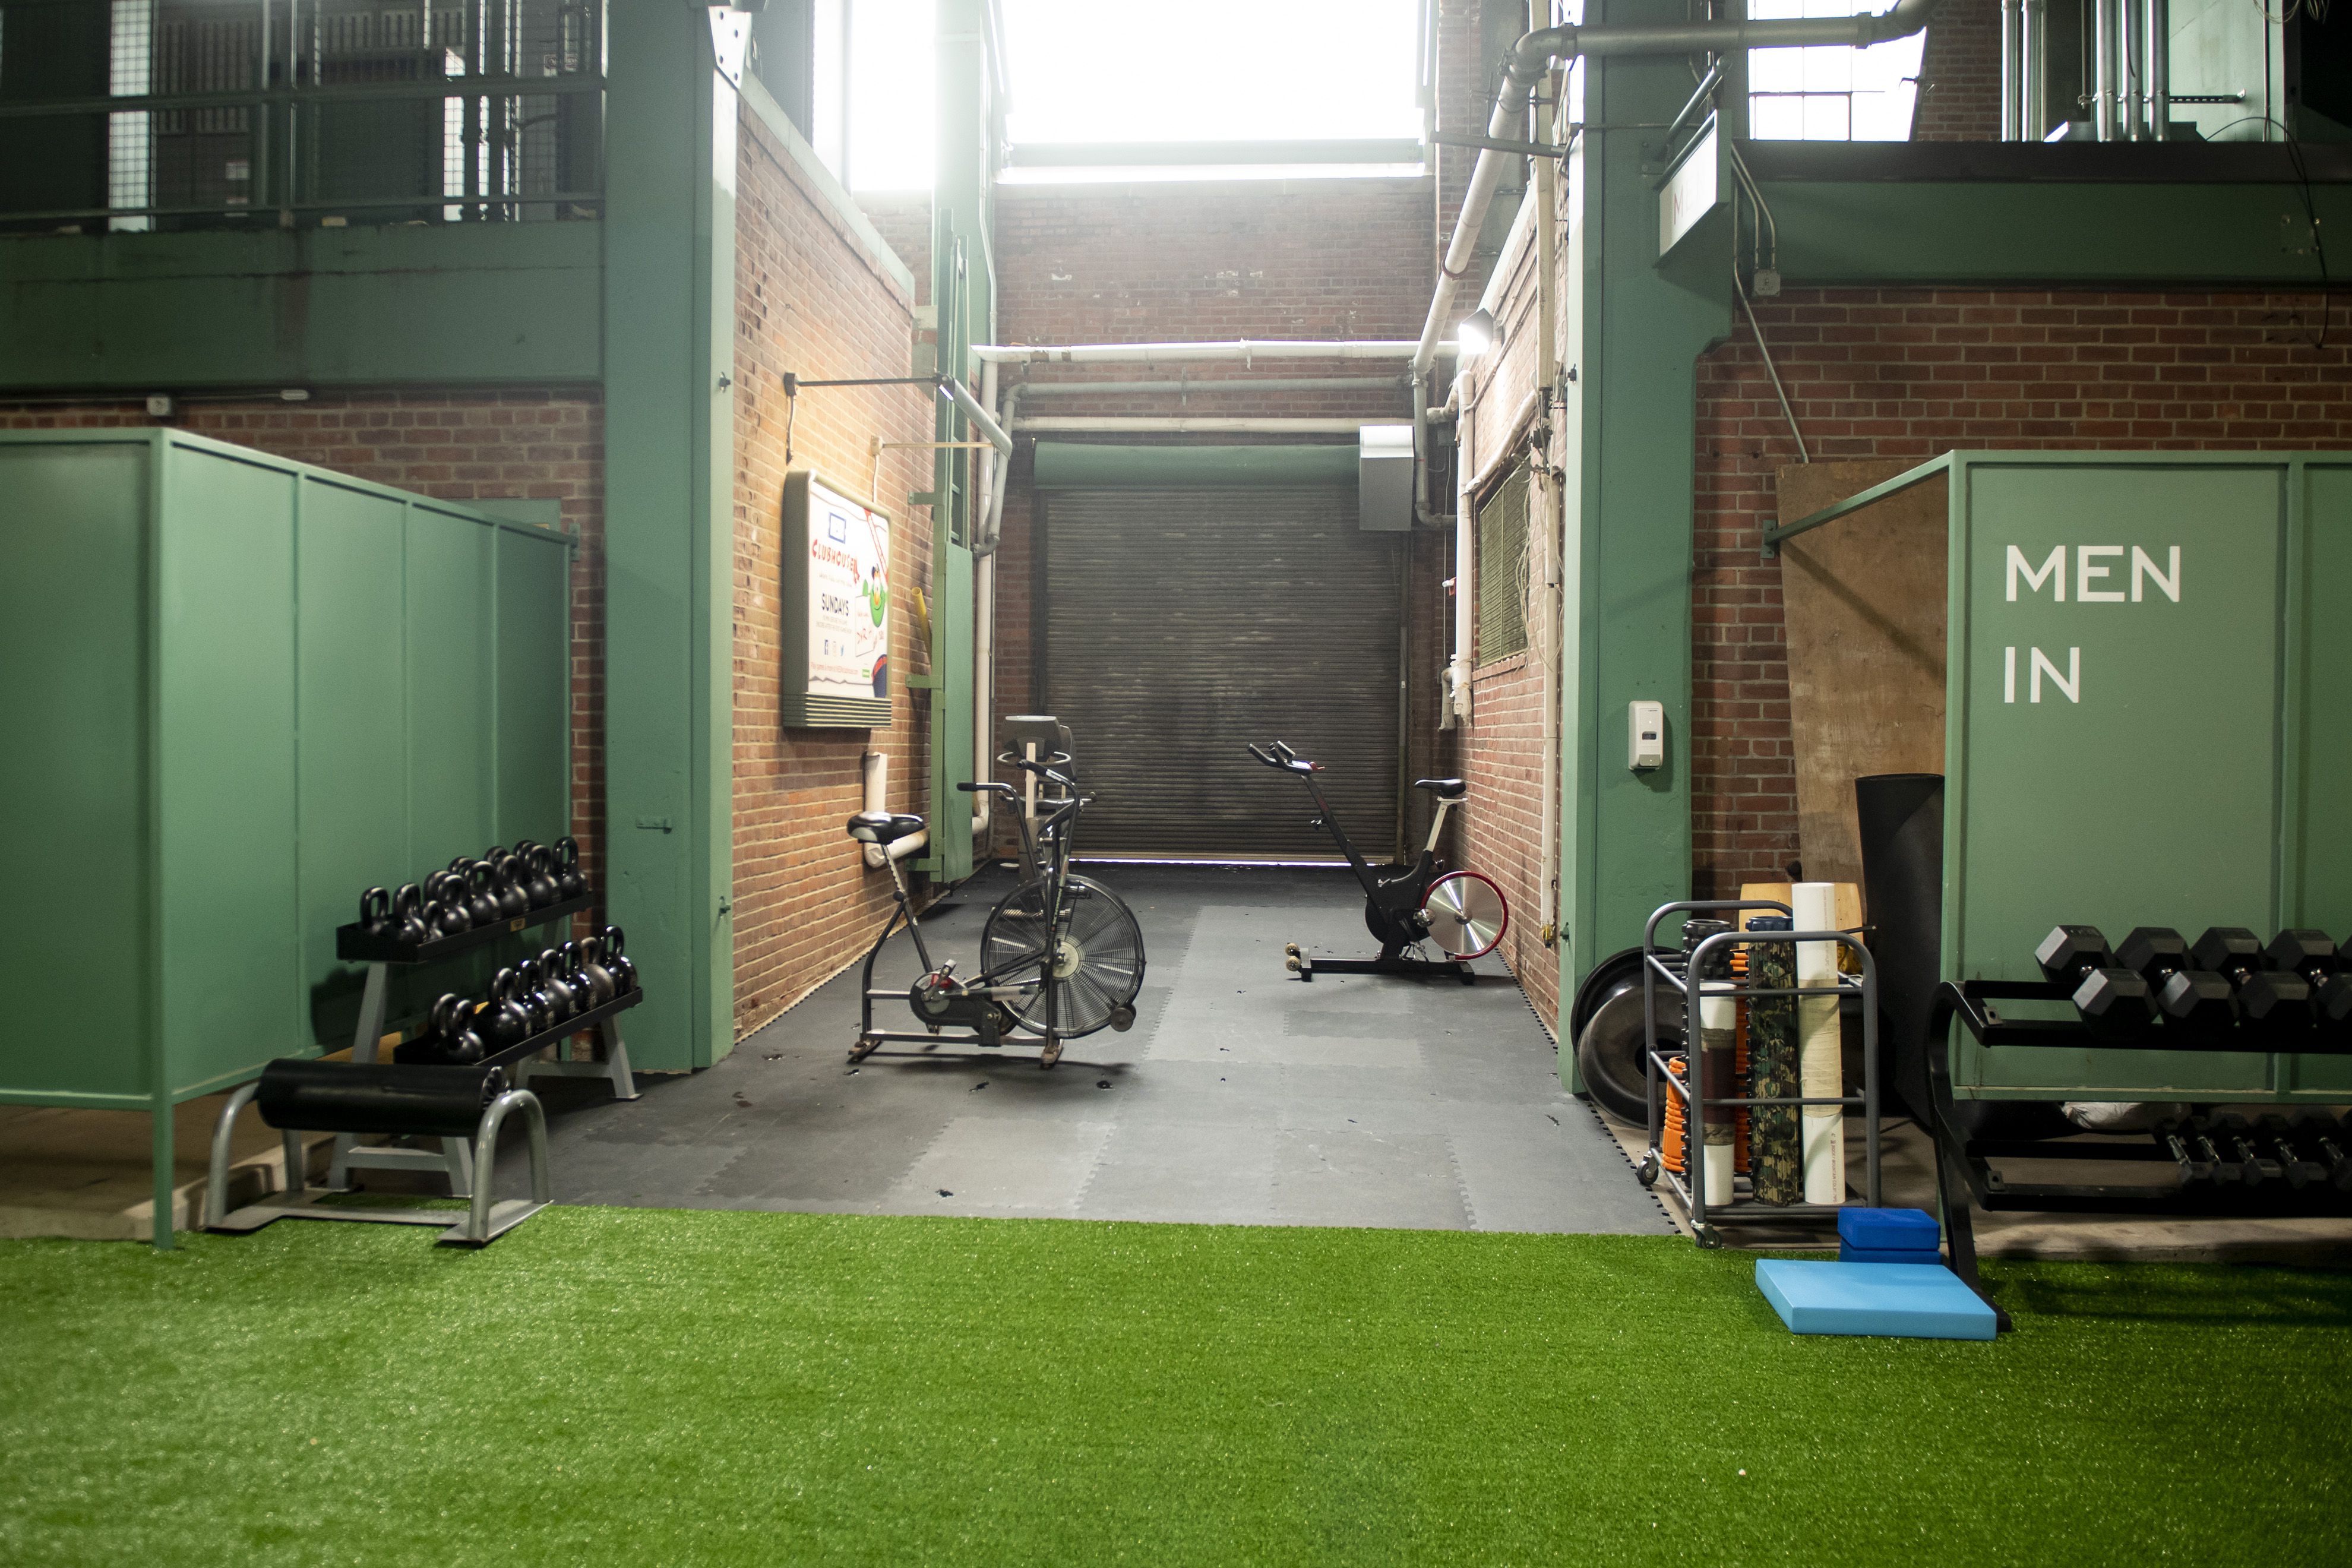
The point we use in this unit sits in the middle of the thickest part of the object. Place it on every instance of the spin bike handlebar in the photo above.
(1275, 755)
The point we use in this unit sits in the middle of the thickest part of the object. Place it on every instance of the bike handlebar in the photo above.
(1275, 755)
(988, 786)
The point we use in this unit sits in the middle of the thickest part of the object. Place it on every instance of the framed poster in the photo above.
(836, 598)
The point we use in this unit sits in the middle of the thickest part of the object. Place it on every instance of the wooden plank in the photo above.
(1863, 600)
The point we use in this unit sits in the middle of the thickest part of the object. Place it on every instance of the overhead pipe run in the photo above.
(1531, 57)
(1245, 350)
(1196, 424)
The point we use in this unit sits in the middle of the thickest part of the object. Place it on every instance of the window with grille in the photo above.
(1503, 569)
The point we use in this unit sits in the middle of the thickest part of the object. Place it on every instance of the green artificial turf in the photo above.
(617, 1386)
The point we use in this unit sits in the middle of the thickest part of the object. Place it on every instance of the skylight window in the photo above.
(1831, 93)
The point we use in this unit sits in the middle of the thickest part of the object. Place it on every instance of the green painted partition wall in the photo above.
(2146, 725)
(240, 689)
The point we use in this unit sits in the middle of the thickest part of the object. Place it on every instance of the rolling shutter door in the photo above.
(1179, 625)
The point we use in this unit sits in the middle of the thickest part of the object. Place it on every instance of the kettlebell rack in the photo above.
(355, 943)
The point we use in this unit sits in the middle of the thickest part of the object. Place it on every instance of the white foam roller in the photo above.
(1814, 906)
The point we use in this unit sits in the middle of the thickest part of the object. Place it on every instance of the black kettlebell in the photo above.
(375, 912)
(408, 915)
(552, 979)
(513, 899)
(625, 973)
(482, 893)
(445, 904)
(540, 887)
(595, 979)
(453, 1019)
(509, 1020)
(533, 996)
(569, 877)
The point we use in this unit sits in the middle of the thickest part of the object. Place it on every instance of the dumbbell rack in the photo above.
(1689, 1186)
(356, 944)
(1966, 1178)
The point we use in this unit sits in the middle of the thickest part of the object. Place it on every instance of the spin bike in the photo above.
(1061, 956)
(1461, 912)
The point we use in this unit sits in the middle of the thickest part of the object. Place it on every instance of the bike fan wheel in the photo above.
(1099, 964)
(1466, 913)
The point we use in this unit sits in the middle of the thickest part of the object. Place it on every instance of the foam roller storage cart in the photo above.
(238, 690)
(1790, 976)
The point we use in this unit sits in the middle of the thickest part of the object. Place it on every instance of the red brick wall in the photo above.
(811, 299)
(1959, 74)
(1913, 373)
(1189, 262)
(478, 445)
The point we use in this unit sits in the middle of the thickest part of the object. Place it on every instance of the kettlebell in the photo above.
(452, 1018)
(509, 1020)
(375, 912)
(560, 998)
(540, 888)
(625, 973)
(597, 980)
(533, 998)
(512, 900)
(569, 877)
(408, 915)
(481, 892)
(445, 906)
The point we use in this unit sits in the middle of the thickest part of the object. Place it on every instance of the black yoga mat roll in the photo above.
(376, 1096)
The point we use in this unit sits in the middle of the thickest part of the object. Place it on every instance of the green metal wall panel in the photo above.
(73, 746)
(533, 734)
(2318, 884)
(350, 680)
(951, 714)
(451, 753)
(2121, 757)
(230, 967)
(307, 307)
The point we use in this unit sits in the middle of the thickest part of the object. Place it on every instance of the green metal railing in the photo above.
(175, 114)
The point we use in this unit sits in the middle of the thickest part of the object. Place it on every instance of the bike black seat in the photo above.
(1444, 789)
(883, 826)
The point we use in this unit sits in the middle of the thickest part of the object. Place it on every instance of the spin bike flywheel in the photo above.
(1466, 914)
(1098, 967)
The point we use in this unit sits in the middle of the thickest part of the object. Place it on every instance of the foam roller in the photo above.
(301, 1095)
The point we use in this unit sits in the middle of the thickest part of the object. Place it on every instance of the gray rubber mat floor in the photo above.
(1242, 1095)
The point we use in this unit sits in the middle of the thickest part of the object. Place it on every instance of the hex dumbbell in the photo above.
(2269, 999)
(2320, 961)
(2115, 1002)
(2197, 1001)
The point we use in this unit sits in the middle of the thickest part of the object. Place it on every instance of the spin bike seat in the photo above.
(1444, 789)
(883, 826)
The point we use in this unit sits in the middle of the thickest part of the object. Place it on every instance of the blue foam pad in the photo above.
(1905, 1300)
(1888, 1230)
(1887, 1255)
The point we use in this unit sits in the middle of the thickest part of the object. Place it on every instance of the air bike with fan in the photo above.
(1061, 956)
(1461, 913)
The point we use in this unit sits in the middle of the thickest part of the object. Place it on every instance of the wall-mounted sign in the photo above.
(837, 599)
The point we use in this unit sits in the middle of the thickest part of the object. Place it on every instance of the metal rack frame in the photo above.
(1690, 1189)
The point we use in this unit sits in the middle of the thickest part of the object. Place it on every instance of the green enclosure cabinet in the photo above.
(238, 690)
(2146, 723)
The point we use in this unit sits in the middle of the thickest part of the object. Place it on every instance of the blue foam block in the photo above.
(1888, 1230)
(1888, 1254)
(1905, 1300)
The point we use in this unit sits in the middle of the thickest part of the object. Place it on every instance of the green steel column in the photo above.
(1625, 839)
(669, 301)
(963, 297)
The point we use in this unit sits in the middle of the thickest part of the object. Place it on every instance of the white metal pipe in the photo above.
(2013, 73)
(1196, 424)
(1547, 618)
(969, 405)
(1244, 348)
(1533, 54)
(1225, 384)
(2156, 53)
(2131, 75)
(2103, 68)
(2033, 70)
(876, 768)
(988, 460)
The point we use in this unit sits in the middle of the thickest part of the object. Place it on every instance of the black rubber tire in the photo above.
(1609, 1058)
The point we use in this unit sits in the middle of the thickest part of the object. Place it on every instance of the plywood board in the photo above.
(1863, 598)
